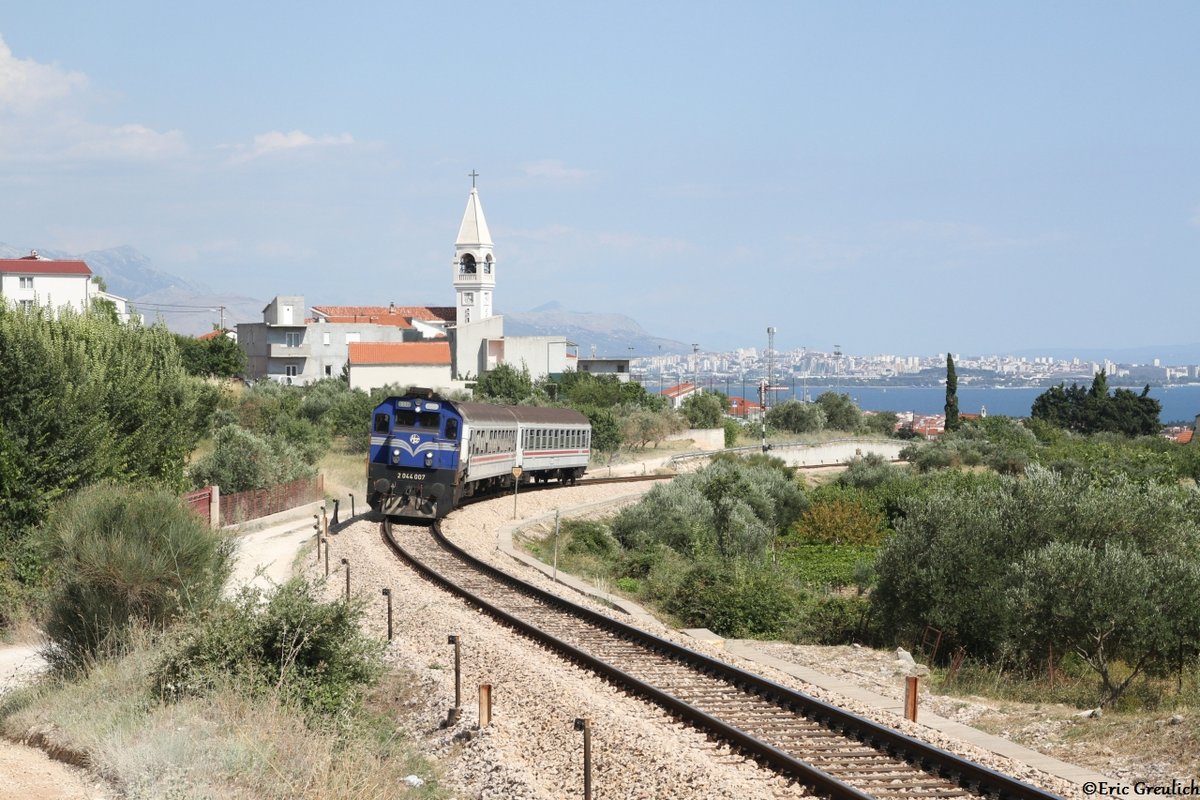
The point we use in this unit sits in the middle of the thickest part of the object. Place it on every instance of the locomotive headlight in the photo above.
(429, 459)
(396, 454)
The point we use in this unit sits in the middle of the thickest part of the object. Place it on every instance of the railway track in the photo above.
(836, 753)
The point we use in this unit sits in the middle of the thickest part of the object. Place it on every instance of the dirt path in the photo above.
(27, 773)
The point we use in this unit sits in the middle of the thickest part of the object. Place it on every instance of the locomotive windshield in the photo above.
(407, 418)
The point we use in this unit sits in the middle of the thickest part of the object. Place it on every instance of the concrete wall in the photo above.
(542, 354)
(705, 438)
(467, 346)
(430, 376)
(836, 452)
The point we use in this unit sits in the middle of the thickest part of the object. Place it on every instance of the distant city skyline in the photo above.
(917, 177)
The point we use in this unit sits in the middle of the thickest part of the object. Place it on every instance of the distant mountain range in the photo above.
(193, 308)
(609, 335)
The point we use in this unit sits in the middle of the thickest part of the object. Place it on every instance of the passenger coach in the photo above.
(428, 453)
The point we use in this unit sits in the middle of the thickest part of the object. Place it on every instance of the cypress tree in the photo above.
(953, 422)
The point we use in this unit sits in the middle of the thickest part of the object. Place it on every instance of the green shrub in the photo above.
(120, 556)
(311, 652)
(844, 517)
(629, 585)
(829, 565)
(835, 619)
(796, 417)
(306, 439)
(242, 460)
(733, 430)
(12, 602)
(729, 509)
(587, 536)
(1018, 564)
(868, 472)
(735, 601)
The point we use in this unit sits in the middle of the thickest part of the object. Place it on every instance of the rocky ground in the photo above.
(1154, 748)
(532, 749)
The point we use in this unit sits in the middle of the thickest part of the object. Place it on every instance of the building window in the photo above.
(621, 367)
(328, 370)
(325, 338)
(26, 282)
(292, 339)
(290, 370)
(27, 305)
(468, 298)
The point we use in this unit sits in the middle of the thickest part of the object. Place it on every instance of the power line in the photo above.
(173, 307)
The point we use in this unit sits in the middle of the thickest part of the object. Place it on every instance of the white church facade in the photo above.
(438, 347)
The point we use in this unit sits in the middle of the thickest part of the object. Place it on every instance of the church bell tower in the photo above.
(474, 264)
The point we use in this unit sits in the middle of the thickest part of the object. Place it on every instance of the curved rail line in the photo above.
(835, 752)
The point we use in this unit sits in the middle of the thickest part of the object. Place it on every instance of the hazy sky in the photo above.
(892, 177)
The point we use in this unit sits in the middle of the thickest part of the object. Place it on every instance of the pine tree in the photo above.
(953, 422)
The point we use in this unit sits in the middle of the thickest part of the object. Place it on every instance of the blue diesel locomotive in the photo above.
(427, 453)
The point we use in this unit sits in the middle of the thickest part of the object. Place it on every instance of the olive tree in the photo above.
(797, 417)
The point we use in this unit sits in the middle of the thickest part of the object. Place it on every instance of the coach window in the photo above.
(451, 429)
(382, 423)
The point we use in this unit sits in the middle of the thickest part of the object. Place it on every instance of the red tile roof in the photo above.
(678, 390)
(400, 316)
(38, 266)
(204, 337)
(1185, 437)
(400, 353)
(739, 406)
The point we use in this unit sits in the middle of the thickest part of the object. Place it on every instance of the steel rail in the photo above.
(968, 774)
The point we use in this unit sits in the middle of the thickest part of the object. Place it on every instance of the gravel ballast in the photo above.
(532, 749)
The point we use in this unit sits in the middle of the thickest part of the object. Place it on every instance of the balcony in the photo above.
(293, 351)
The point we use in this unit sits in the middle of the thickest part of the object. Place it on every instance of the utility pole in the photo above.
(804, 366)
(837, 367)
(766, 397)
(695, 367)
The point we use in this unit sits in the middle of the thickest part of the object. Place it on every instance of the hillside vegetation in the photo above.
(1030, 551)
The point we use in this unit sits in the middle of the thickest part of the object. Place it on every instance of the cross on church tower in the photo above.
(473, 176)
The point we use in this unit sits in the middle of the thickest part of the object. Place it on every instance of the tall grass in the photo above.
(229, 742)
(120, 556)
